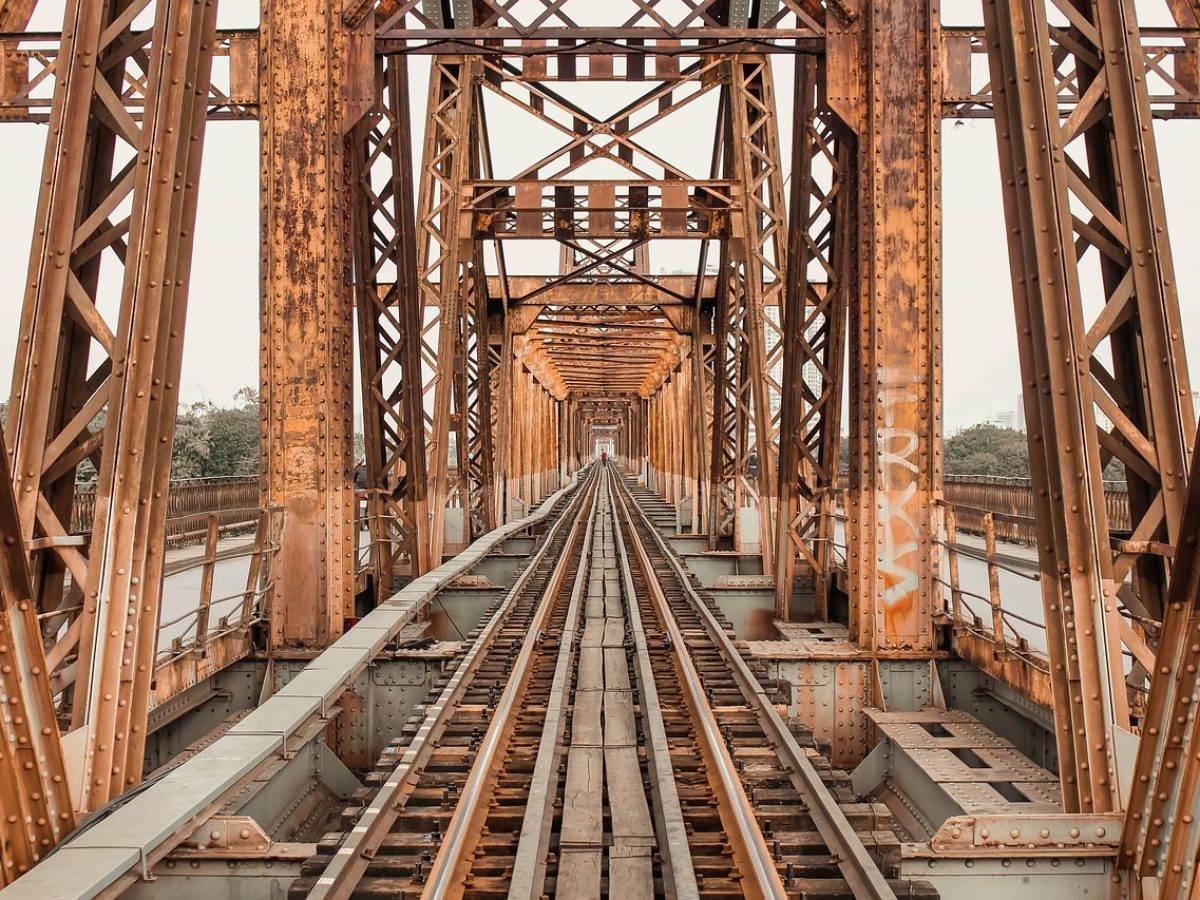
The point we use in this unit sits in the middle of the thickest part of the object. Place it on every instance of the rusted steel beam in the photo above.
(55, 404)
(637, 42)
(446, 261)
(29, 65)
(748, 341)
(35, 803)
(1161, 838)
(15, 15)
(1171, 57)
(389, 334)
(307, 206)
(895, 333)
(1128, 364)
(600, 291)
(668, 24)
(821, 233)
(126, 551)
(536, 210)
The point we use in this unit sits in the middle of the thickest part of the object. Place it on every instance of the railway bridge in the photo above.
(609, 611)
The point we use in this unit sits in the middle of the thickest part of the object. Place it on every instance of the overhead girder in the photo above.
(1169, 55)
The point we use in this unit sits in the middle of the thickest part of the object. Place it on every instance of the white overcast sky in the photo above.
(981, 376)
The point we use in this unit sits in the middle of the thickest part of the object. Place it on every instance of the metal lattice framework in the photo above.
(388, 312)
(1079, 191)
(820, 233)
(125, 191)
(485, 385)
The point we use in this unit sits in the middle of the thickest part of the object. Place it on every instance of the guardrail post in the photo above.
(262, 544)
(952, 557)
(989, 535)
(206, 580)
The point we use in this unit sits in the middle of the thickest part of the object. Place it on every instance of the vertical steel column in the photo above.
(895, 454)
(54, 401)
(317, 83)
(447, 257)
(1071, 216)
(388, 319)
(475, 415)
(757, 251)
(821, 232)
(701, 424)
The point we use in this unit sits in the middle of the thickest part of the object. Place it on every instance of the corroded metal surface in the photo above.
(488, 381)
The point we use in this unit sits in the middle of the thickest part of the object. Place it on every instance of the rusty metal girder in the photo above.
(389, 334)
(1127, 364)
(1171, 57)
(747, 325)
(35, 803)
(894, 328)
(306, 356)
(116, 577)
(576, 210)
(821, 234)
(1161, 840)
(410, 25)
(447, 261)
(29, 69)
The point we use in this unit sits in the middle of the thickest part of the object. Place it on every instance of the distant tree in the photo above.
(191, 449)
(987, 450)
(233, 436)
(1115, 471)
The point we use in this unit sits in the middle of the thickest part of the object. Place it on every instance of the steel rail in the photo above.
(350, 860)
(673, 843)
(855, 863)
(451, 863)
(751, 853)
(529, 870)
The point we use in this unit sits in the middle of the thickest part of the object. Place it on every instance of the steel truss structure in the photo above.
(486, 383)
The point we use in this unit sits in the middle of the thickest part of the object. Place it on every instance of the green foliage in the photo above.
(213, 440)
(233, 436)
(987, 450)
(192, 447)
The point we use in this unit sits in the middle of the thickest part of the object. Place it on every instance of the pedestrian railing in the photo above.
(189, 501)
(1010, 501)
(193, 630)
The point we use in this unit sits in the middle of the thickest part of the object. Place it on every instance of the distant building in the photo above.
(1006, 419)
(1010, 418)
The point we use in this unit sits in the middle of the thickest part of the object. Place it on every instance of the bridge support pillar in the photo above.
(310, 104)
(895, 325)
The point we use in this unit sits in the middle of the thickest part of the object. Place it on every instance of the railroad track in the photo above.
(602, 735)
